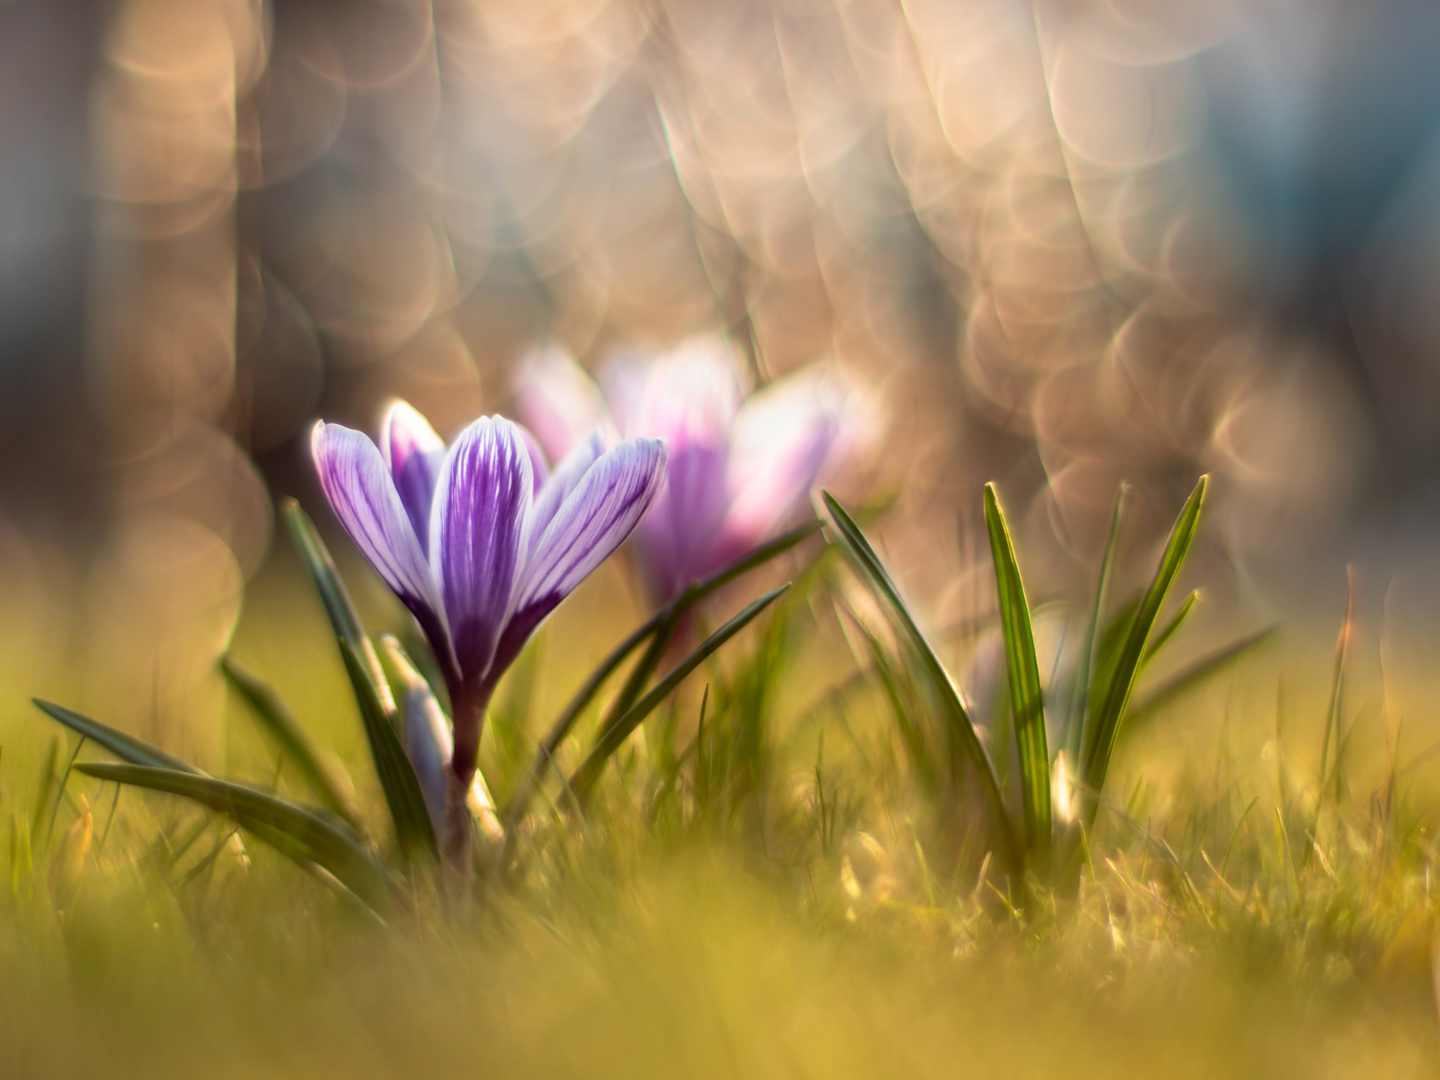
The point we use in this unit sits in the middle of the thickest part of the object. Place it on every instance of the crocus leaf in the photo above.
(297, 833)
(589, 770)
(1026, 702)
(1165, 633)
(403, 796)
(1085, 668)
(668, 615)
(1195, 674)
(957, 717)
(901, 707)
(280, 724)
(126, 747)
(338, 605)
(1127, 666)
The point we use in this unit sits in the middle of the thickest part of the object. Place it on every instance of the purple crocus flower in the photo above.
(739, 470)
(481, 542)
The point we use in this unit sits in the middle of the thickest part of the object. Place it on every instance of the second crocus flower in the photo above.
(739, 469)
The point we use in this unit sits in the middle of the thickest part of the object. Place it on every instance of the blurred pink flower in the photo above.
(740, 469)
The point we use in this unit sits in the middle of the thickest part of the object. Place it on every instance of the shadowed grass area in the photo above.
(694, 966)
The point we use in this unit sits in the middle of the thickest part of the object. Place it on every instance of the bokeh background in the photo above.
(1061, 242)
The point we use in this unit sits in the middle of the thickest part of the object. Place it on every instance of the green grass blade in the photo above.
(911, 738)
(1331, 732)
(280, 724)
(957, 717)
(126, 747)
(589, 771)
(1026, 697)
(1169, 630)
(297, 833)
(1195, 674)
(565, 722)
(338, 605)
(403, 797)
(1085, 668)
(42, 793)
(1127, 667)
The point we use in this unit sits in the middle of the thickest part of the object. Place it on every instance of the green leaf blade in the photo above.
(1087, 666)
(611, 740)
(126, 747)
(656, 624)
(307, 837)
(414, 831)
(961, 727)
(336, 598)
(280, 724)
(1127, 667)
(1026, 696)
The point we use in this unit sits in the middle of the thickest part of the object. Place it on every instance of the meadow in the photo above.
(781, 872)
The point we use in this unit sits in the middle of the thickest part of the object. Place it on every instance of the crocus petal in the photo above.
(675, 539)
(539, 469)
(413, 453)
(595, 518)
(363, 496)
(690, 394)
(478, 535)
(559, 486)
(558, 401)
(782, 439)
(428, 745)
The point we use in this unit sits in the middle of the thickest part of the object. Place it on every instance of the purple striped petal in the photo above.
(478, 535)
(413, 454)
(355, 480)
(539, 470)
(559, 486)
(595, 518)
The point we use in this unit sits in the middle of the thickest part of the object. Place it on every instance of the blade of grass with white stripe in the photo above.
(1027, 703)
(1085, 669)
(297, 833)
(961, 727)
(585, 776)
(280, 724)
(413, 829)
(126, 747)
(911, 738)
(1168, 631)
(1117, 693)
(338, 605)
(1195, 674)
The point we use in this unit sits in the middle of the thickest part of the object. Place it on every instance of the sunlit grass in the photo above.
(764, 891)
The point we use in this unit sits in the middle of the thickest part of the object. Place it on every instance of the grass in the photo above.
(761, 883)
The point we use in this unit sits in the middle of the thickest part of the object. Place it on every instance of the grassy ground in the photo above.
(790, 905)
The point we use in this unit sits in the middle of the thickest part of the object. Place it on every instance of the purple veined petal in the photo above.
(596, 517)
(676, 538)
(563, 481)
(413, 453)
(782, 440)
(478, 535)
(558, 401)
(358, 485)
(539, 469)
